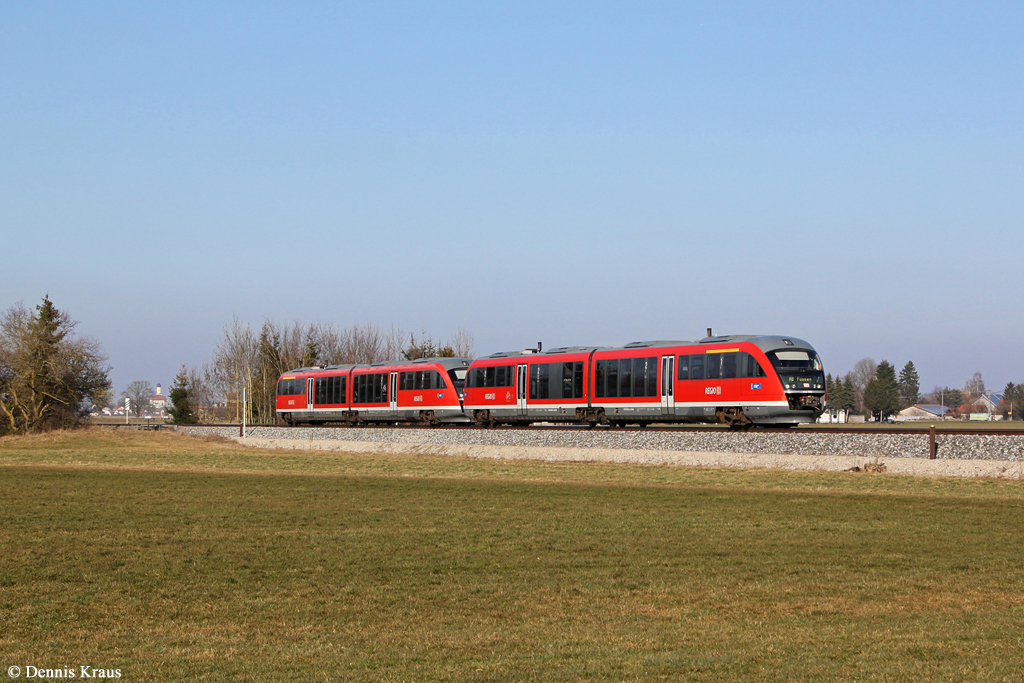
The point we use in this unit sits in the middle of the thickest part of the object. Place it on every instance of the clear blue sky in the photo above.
(576, 173)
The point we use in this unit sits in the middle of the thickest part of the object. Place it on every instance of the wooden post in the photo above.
(932, 446)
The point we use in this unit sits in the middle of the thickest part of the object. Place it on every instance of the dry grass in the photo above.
(178, 558)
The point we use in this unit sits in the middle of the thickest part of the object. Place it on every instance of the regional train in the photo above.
(740, 380)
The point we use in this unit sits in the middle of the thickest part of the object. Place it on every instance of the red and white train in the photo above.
(738, 380)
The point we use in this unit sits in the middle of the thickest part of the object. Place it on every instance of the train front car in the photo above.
(739, 380)
(801, 382)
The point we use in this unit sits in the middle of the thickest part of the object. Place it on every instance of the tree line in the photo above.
(247, 363)
(874, 389)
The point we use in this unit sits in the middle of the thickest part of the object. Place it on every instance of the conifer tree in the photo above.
(181, 411)
(882, 393)
(909, 385)
(48, 377)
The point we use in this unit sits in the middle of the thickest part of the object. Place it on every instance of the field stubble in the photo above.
(173, 557)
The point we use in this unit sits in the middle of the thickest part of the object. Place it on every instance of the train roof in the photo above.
(549, 352)
(446, 363)
(771, 342)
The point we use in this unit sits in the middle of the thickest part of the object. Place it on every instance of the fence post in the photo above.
(932, 446)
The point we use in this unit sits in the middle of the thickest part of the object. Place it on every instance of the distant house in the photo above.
(991, 401)
(922, 412)
(983, 407)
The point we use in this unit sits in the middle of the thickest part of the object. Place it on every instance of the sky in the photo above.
(575, 173)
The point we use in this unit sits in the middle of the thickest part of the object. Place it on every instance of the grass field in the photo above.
(170, 557)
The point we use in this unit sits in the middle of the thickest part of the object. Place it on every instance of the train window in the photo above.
(645, 376)
(489, 376)
(684, 367)
(795, 360)
(577, 381)
(540, 380)
(599, 379)
(370, 388)
(729, 365)
(612, 383)
(696, 367)
(625, 377)
(439, 382)
(499, 376)
(713, 366)
(291, 387)
(749, 367)
(639, 376)
(566, 391)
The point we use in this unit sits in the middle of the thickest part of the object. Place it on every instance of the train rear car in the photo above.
(428, 390)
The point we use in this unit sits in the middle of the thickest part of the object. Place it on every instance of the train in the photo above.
(742, 381)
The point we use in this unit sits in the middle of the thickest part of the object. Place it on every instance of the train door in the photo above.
(310, 393)
(668, 385)
(393, 394)
(522, 385)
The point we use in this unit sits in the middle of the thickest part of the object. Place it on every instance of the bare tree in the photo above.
(138, 393)
(234, 363)
(975, 386)
(394, 343)
(462, 344)
(863, 372)
(203, 394)
(369, 343)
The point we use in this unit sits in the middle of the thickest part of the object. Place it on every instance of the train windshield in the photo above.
(798, 370)
(458, 376)
(795, 360)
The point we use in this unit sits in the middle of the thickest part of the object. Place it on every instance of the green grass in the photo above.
(177, 558)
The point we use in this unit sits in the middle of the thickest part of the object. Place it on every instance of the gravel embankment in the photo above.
(959, 455)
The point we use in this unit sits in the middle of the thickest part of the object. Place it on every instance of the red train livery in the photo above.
(425, 390)
(739, 380)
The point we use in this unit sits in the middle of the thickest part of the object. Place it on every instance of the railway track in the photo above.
(939, 430)
(938, 442)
